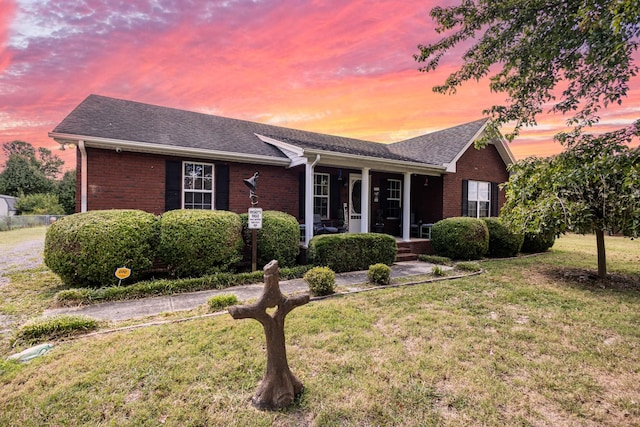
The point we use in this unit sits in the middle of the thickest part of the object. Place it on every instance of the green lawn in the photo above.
(533, 341)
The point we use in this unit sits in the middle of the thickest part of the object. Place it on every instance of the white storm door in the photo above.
(355, 203)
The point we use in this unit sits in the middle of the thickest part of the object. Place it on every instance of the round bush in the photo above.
(85, 249)
(198, 242)
(379, 274)
(541, 242)
(352, 252)
(460, 238)
(321, 280)
(279, 238)
(502, 242)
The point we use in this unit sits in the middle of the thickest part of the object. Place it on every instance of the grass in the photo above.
(12, 237)
(532, 341)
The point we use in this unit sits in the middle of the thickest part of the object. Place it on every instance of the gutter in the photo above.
(146, 147)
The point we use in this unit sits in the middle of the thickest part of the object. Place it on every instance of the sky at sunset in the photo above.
(337, 67)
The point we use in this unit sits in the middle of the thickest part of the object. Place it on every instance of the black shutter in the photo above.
(222, 187)
(465, 197)
(334, 197)
(173, 185)
(494, 199)
(301, 191)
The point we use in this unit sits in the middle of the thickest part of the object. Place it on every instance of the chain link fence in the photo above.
(15, 222)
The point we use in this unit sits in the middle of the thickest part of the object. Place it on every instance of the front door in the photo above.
(355, 203)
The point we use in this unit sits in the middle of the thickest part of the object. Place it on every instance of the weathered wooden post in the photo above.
(279, 387)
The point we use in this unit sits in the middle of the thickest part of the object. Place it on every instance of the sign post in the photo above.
(254, 224)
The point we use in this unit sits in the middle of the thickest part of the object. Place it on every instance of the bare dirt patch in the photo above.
(588, 279)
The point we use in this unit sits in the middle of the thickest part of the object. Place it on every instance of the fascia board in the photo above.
(501, 145)
(332, 158)
(146, 147)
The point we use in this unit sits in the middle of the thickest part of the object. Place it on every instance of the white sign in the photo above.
(255, 218)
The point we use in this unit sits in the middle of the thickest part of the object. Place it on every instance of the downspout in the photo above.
(308, 200)
(83, 176)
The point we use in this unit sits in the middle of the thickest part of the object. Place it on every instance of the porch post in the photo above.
(308, 203)
(364, 220)
(406, 207)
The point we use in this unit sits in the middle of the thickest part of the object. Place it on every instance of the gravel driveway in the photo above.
(23, 256)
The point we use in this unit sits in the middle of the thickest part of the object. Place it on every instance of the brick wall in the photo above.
(277, 188)
(478, 165)
(137, 181)
(124, 181)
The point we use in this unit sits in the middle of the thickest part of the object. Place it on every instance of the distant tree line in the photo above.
(33, 176)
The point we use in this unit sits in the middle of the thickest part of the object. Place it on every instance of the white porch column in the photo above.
(364, 221)
(406, 207)
(83, 176)
(308, 200)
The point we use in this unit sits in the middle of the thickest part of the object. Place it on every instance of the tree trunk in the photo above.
(279, 386)
(602, 256)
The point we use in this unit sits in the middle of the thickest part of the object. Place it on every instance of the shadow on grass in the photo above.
(586, 279)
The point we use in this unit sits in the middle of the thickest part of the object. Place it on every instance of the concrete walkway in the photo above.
(133, 309)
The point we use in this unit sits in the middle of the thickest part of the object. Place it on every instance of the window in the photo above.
(394, 198)
(197, 185)
(321, 195)
(479, 199)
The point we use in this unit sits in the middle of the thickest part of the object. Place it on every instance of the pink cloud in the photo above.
(328, 66)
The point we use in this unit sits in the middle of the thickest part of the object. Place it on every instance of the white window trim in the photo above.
(399, 198)
(183, 190)
(478, 200)
(328, 196)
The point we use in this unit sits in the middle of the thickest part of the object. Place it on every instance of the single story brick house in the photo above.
(132, 155)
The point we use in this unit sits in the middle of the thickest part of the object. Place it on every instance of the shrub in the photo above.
(220, 302)
(47, 328)
(198, 242)
(460, 238)
(502, 242)
(279, 238)
(39, 204)
(352, 252)
(321, 280)
(85, 249)
(379, 274)
(541, 242)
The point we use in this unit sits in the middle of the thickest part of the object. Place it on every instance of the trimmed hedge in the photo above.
(351, 252)
(85, 249)
(502, 242)
(541, 242)
(460, 238)
(197, 242)
(278, 239)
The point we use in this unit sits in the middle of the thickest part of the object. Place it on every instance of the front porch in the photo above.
(334, 199)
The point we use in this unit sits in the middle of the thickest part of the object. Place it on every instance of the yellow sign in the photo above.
(123, 273)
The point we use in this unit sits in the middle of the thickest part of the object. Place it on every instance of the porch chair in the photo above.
(320, 228)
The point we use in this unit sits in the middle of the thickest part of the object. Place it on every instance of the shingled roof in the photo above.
(134, 122)
(441, 147)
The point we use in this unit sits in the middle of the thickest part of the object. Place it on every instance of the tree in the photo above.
(28, 171)
(575, 56)
(66, 192)
(39, 204)
(20, 176)
(593, 186)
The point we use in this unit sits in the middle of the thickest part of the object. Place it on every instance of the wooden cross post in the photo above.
(279, 387)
